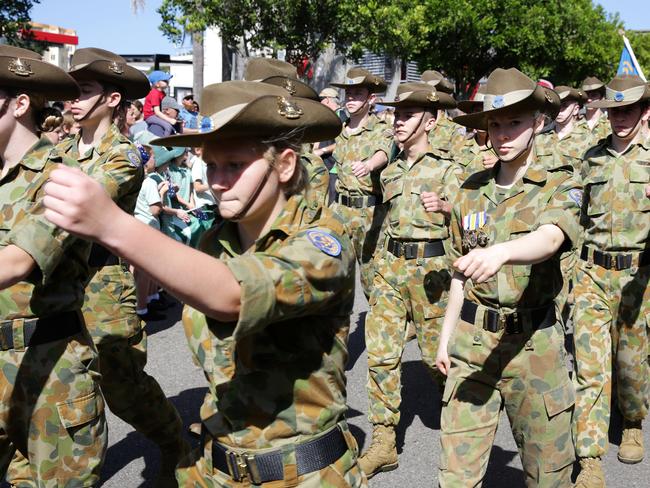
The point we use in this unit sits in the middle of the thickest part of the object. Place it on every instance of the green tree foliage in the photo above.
(563, 41)
(14, 17)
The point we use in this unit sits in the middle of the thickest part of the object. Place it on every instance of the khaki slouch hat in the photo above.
(362, 78)
(278, 73)
(419, 94)
(621, 91)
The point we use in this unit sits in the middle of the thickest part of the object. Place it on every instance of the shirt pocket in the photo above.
(518, 229)
(392, 188)
(639, 180)
(598, 203)
(419, 217)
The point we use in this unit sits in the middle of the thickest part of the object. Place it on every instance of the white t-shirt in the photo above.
(199, 172)
(148, 196)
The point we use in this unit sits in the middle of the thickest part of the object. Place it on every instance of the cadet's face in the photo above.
(568, 110)
(624, 120)
(408, 124)
(91, 92)
(355, 98)
(510, 134)
(234, 171)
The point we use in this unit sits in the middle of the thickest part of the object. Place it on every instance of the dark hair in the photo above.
(189, 97)
(138, 104)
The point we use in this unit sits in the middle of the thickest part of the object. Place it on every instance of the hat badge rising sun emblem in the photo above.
(288, 109)
(19, 67)
(432, 97)
(116, 68)
(290, 87)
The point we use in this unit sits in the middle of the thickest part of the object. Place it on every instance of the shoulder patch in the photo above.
(576, 196)
(134, 159)
(324, 242)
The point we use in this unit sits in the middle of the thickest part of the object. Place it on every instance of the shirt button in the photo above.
(477, 338)
(529, 343)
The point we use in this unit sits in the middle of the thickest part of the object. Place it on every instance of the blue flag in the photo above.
(628, 65)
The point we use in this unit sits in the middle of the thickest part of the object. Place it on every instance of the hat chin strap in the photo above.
(100, 100)
(415, 129)
(365, 102)
(528, 146)
(239, 215)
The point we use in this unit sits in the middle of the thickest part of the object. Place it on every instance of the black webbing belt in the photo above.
(260, 468)
(410, 249)
(615, 261)
(41, 330)
(493, 321)
(359, 201)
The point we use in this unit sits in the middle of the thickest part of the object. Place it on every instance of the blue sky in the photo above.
(112, 25)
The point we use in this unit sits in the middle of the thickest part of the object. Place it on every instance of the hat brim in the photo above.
(44, 79)
(444, 101)
(300, 89)
(593, 87)
(132, 82)
(261, 119)
(468, 106)
(372, 87)
(603, 103)
(542, 99)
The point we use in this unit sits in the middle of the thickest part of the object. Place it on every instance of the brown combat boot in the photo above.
(631, 449)
(382, 454)
(591, 474)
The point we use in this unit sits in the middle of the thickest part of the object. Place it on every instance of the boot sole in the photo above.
(383, 469)
(629, 461)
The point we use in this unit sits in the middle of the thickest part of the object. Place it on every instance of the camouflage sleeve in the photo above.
(455, 247)
(451, 182)
(382, 141)
(306, 276)
(563, 209)
(120, 174)
(42, 240)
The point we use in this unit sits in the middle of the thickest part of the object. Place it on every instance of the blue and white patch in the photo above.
(134, 159)
(325, 242)
(619, 96)
(498, 102)
(576, 196)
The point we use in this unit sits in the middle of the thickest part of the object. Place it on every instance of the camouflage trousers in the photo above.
(52, 413)
(564, 299)
(525, 373)
(403, 290)
(198, 471)
(611, 322)
(364, 226)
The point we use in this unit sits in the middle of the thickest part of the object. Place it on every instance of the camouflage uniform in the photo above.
(274, 383)
(445, 134)
(468, 155)
(600, 131)
(521, 365)
(407, 288)
(318, 177)
(363, 221)
(573, 146)
(612, 309)
(51, 409)
(109, 306)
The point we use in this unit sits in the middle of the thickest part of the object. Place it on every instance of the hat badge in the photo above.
(116, 68)
(376, 81)
(288, 109)
(548, 97)
(19, 67)
(619, 97)
(290, 87)
(498, 102)
(432, 97)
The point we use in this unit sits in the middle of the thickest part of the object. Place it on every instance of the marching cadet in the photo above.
(612, 296)
(411, 273)
(472, 151)
(446, 133)
(361, 151)
(595, 119)
(567, 136)
(280, 73)
(508, 227)
(110, 303)
(51, 409)
(276, 400)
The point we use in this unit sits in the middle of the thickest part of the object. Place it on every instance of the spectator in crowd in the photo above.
(204, 201)
(153, 110)
(135, 119)
(171, 109)
(64, 130)
(189, 114)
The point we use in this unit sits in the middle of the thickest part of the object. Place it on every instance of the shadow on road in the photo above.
(356, 341)
(172, 315)
(499, 473)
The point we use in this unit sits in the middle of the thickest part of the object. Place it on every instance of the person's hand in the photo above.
(647, 191)
(432, 202)
(489, 159)
(77, 203)
(183, 215)
(481, 264)
(360, 169)
(163, 187)
(442, 359)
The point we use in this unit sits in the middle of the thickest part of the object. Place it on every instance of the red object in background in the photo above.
(306, 69)
(51, 37)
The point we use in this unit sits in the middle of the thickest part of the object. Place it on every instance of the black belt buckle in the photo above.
(623, 261)
(606, 260)
(242, 466)
(513, 324)
(410, 251)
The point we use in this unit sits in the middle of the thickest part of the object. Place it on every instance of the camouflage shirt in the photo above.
(318, 177)
(56, 285)
(445, 134)
(361, 145)
(115, 162)
(539, 198)
(616, 211)
(468, 155)
(402, 184)
(600, 131)
(277, 375)
(573, 146)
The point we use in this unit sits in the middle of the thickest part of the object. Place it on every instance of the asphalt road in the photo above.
(132, 461)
